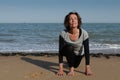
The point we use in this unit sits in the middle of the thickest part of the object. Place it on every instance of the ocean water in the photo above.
(43, 37)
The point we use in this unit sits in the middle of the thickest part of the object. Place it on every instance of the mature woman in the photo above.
(73, 44)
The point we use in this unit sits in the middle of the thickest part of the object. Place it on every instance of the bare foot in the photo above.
(71, 73)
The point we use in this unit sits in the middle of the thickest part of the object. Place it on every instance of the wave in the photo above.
(33, 48)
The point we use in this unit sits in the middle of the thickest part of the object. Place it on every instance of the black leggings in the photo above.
(72, 59)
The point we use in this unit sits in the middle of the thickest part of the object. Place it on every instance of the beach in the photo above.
(44, 67)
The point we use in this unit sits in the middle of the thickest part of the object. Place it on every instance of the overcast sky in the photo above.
(52, 11)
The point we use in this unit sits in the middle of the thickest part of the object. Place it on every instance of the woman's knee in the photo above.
(67, 49)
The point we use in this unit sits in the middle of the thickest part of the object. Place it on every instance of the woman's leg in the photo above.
(72, 60)
(77, 61)
(67, 51)
(70, 57)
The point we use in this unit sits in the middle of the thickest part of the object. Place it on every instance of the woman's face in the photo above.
(73, 21)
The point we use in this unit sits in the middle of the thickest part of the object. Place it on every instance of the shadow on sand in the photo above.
(44, 64)
(48, 65)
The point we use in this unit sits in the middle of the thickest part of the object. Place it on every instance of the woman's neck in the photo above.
(74, 34)
(74, 31)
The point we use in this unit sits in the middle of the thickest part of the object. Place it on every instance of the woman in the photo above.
(73, 44)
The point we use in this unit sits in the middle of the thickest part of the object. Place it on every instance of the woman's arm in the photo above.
(87, 57)
(61, 42)
(86, 51)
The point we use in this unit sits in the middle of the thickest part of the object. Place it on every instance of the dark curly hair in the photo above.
(66, 20)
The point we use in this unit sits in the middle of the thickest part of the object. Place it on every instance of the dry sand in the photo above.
(44, 68)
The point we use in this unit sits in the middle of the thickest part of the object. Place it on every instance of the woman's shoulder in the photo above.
(85, 34)
(84, 31)
(63, 32)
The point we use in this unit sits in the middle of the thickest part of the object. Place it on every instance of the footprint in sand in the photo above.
(33, 75)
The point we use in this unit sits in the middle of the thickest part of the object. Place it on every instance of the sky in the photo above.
(54, 11)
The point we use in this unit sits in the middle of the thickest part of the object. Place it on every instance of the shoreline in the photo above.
(55, 54)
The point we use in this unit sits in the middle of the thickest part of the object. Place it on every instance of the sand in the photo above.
(44, 68)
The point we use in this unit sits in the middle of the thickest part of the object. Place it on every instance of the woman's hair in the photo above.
(66, 20)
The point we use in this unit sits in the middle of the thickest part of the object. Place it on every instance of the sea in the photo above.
(44, 37)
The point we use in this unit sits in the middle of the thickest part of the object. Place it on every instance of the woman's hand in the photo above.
(88, 71)
(60, 73)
